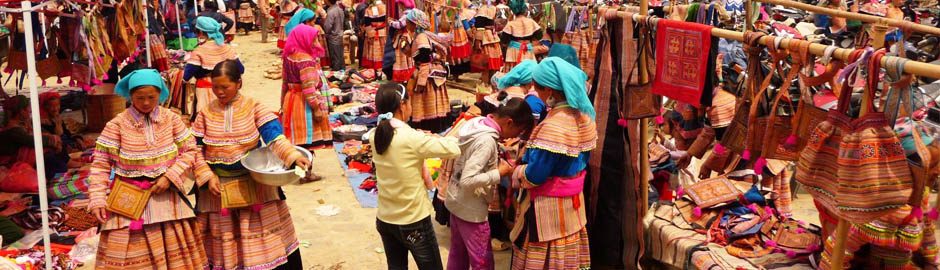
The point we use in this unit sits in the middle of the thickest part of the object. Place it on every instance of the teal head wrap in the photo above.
(557, 74)
(302, 15)
(519, 75)
(211, 28)
(142, 77)
(566, 52)
(517, 7)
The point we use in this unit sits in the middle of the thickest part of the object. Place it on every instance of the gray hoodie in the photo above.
(475, 172)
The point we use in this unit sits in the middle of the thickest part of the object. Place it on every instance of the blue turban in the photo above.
(521, 74)
(142, 77)
(211, 28)
(566, 52)
(300, 17)
(557, 74)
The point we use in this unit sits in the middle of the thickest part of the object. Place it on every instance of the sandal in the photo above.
(499, 245)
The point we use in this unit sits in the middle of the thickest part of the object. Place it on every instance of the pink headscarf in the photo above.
(303, 39)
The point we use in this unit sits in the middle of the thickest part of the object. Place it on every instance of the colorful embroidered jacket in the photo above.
(555, 160)
(138, 146)
(227, 133)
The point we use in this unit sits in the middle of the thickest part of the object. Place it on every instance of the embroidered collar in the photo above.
(139, 117)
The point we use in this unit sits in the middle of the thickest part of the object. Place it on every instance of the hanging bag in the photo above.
(777, 144)
(733, 139)
(639, 101)
(808, 115)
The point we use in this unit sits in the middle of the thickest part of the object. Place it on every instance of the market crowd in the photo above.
(532, 128)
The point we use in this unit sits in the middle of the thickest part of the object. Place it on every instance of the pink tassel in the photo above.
(800, 230)
(801, 223)
(917, 212)
(813, 247)
(96, 81)
(622, 122)
(697, 212)
(720, 149)
(105, 77)
(660, 120)
(933, 214)
(257, 208)
(771, 243)
(791, 140)
(768, 211)
(754, 208)
(136, 225)
(746, 155)
(759, 165)
(86, 88)
(224, 212)
(8, 70)
(680, 191)
(44, 83)
(791, 254)
(59, 80)
(71, 83)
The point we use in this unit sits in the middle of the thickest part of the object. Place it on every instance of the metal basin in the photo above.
(267, 169)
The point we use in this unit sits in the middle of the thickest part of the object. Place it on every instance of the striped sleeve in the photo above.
(106, 148)
(187, 152)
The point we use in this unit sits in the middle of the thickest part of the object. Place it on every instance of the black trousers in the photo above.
(293, 262)
(417, 238)
(337, 61)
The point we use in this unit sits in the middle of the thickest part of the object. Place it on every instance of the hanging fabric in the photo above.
(682, 57)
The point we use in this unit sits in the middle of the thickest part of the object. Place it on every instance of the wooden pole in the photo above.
(853, 16)
(263, 6)
(644, 129)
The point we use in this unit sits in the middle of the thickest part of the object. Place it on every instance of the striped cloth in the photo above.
(176, 244)
(565, 131)
(303, 85)
(209, 54)
(569, 252)
(488, 44)
(249, 240)
(817, 166)
(66, 185)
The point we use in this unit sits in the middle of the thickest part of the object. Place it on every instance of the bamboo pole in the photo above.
(853, 16)
(644, 129)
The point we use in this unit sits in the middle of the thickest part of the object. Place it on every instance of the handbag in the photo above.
(127, 200)
(712, 192)
(767, 134)
(238, 193)
(735, 134)
(791, 236)
(639, 101)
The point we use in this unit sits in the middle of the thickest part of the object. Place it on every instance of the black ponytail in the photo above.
(387, 100)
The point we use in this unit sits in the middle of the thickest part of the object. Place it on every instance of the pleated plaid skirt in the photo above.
(569, 252)
(249, 240)
(176, 244)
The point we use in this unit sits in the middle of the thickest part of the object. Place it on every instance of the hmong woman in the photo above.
(549, 232)
(519, 35)
(260, 236)
(460, 47)
(204, 58)
(375, 31)
(404, 67)
(287, 10)
(429, 100)
(308, 17)
(486, 42)
(147, 147)
(304, 99)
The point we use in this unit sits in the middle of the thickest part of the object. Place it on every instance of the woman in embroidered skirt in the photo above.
(486, 43)
(287, 10)
(429, 98)
(304, 100)
(404, 67)
(519, 35)
(374, 29)
(308, 17)
(260, 234)
(549, 232)
(204, 58)
(150, 148)
(460, 47)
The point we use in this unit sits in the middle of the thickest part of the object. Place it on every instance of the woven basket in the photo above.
(101, 109)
